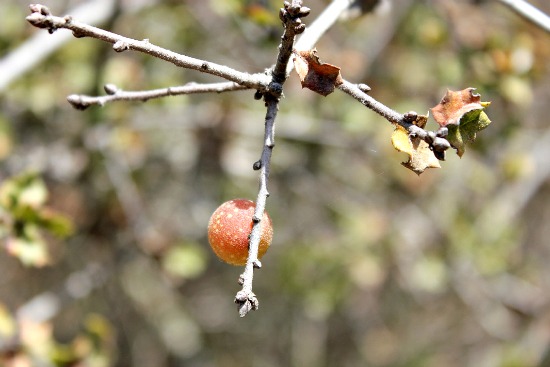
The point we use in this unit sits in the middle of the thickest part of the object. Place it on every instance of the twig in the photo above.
(529, 12)
(435, 139)
(33, 51)
(114, 94)
(245, 298)
(42, 18)
(290, 15)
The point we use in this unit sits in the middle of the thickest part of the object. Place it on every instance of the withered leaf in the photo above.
(462, 113)
(320, 77)
(421, 156)
(454, 105)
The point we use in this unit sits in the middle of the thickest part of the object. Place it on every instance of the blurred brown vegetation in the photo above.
(370, 266)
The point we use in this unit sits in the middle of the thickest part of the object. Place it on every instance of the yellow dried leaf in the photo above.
(421, 156)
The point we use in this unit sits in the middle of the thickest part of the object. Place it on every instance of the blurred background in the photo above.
(103, 212)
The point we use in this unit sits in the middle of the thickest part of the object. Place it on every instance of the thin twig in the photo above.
(290, 15)
(42, 18)
(354, 91)
(245, 298)
(438, 143)
(34, 50)
(529, 12)
(115, 94)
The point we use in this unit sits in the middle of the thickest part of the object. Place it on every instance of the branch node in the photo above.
(246, 302)
(77, 34)
(276, 89)
(38, 8)
(282, 14)
(304, 11)
(441, 144)
(205, 66)
(292, 13)
(257, 165)
(257, 264)
(110, 89)
(430, 137)
(442, 132)
(410, 116)
(415, 131)
(364, 88)
(77, 102)
(256, 219)
(300, 29)
(120, 46)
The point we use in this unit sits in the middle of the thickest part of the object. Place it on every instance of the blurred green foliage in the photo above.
(22, 216)
(370, 266)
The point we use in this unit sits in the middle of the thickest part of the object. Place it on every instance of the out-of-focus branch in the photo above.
(42, 18)
(114, 94)
(290, 15)
(529, 12)
(319, 27)
(322, 24)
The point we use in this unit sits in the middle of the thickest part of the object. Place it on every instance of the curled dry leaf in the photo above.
(421, 156)
(454, 105)
(462, 113)
(320, 77)
(466, 131)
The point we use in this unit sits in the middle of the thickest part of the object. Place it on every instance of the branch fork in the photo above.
(268, 86)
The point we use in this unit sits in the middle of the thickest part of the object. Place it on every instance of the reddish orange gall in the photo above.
(229, 230)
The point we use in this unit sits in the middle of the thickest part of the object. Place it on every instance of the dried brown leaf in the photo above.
(320, 77)
(455, 105)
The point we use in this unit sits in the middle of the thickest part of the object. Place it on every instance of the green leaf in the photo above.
(186, 261)
(465, 132)
(26, 189)
(29, 247)
(56, 223)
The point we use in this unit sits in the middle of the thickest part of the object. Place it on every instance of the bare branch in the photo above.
(529, 12)
(35, 49)
(290, 15)
(245, 298)
(435, 139)
(82, 102)
(42, 18)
